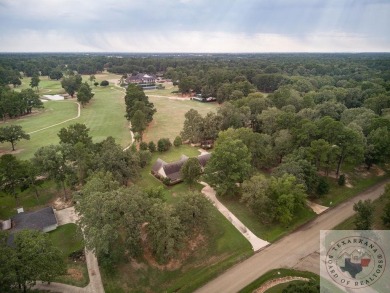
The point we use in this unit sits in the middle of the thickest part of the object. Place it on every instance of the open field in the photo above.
(270, 232)
(169, 119)
(104, 115)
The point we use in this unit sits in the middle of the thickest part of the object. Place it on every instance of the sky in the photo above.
(195, 26)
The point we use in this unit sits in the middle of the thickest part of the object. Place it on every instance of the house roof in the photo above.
(203, 159)
(141, 77)
(39, 219)
(156, 166)
(172, 170)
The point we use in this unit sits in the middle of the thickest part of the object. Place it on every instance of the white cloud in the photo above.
(190, 41)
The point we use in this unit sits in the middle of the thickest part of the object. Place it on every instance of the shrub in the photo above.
(104, 83)
(322, 187)
(143, 146)
(152, 146)
(177, 142)
(163, 144)
(95, 83)
(341, 180)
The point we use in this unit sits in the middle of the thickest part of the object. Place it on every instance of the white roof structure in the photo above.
(53, 97)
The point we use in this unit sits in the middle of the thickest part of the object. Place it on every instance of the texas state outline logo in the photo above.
(352, 260)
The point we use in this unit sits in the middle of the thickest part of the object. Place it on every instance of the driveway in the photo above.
(298, 248)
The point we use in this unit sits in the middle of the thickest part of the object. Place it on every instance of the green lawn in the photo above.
(147, 180)
(27, 199)
(225, 246)
(169, 119)
(270, 232)
(379, 205)
(359, 182)
(67, 239)
(104, 115)
(278, 273)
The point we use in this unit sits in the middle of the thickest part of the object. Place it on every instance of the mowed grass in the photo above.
(169, 119)
(104, 116)
(269, 232)
(27, 199)
(379, 206)
(67, 239)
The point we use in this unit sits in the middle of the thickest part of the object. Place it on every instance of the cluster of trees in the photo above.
(139, 111)
(15, 104)
(30, 258)
(365, 210)
(116, 220)
(70, 162)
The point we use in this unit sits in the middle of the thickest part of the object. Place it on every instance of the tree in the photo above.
(255, 195)
(191, 171)
(192, 126)
(152, 146)
(163, 144)
(112, 218)
(193, 210)
(136, 99)
(84, 94)
(12, 173)
(110, 157)
(56, 74)
(365, 214)
(32, 257)
(92, 78)
(75, 133)
(52, 161)
(165, 232)
(104, 83)
(229, 165)
(71, 84)
(138, 123)
(177, 142)
(34, 83)
(12, 134)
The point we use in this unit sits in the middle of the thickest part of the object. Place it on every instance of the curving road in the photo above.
(290, 250)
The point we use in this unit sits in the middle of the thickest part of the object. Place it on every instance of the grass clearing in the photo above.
(104, 115)
(279, 273)
(359, 178)
(169, 118)
(67, 239)
(27, 199)
(270, 232)
(379, 205)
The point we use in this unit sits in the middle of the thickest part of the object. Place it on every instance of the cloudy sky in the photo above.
(195, 25)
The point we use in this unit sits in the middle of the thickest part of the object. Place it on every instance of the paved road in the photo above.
(288, 251)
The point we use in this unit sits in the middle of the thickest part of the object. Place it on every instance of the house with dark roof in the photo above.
(170, 172)
(141, 78)
(43, 220)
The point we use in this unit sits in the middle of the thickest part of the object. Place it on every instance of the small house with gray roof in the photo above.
(171, 171)
(43, 220)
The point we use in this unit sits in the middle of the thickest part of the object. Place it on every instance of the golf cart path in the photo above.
(95, 285)
(255, 241)
(53, 125)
